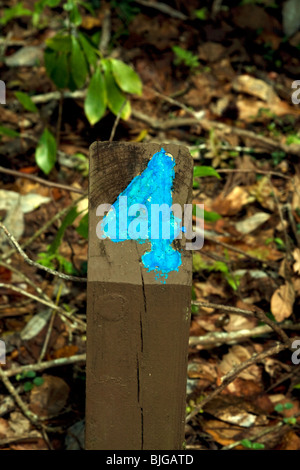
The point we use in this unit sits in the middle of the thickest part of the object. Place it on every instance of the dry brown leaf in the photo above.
(236, 355)
(232, 203)
(296, 284)
(255, 87)
(222, 432)
(237, 322)
(49, 398)
(296, 265)
(282, 301)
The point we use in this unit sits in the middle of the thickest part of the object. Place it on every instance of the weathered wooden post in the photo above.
(138, 301)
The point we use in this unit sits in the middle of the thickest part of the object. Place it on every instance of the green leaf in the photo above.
(292, 420)
(66, 265)
(297, 386)
(200, 171)
(26, 101)
(68, 220)
(211, 216)
(293, 139)
(38, 381)
(126, 78)
(279, 407)
(246, 443)
(75, 16)
(258, 446)
(8, 132)
(56, 64)
(115, 97)
(95, 101)
(83, 227)
(201, 14)
(288, 406)
(60, 43)
(89, 50)
(28, 386)
(45, 154)
(186, 57)
(30, 374)
(16, 11)
(78, 66)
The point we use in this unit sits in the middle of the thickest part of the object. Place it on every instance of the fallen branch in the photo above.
(164, 8)
(232, 375)
(29, 261)
(62, 361)
(32, 417)
(44, 227)
(42, 181)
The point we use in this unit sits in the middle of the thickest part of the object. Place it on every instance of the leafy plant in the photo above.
(73, 61)
(52, 256)
(45, 154)
(217, 266)
(201, 14)
(252, 445)
(182, 56)
(26, 101)
(281, 407)
(29, 384)
(11, 13)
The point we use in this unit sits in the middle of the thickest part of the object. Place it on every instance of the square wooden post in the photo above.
(137, 325)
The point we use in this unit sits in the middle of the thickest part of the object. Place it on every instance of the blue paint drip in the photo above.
(153, 186)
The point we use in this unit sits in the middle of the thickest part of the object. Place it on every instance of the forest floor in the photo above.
(219, 80)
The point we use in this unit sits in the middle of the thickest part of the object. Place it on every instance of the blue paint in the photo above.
(153, 186)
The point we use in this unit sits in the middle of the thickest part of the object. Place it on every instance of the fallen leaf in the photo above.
(235, 356)
(255, 87)
(296, 265)
(282, 302)
(250, 224)
(237, 322)
(290, 441)
(232, 203)
(49, 398)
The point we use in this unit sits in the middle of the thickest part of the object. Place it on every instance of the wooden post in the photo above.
(137, 325)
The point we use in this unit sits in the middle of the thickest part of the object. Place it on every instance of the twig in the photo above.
(42, 301)
(28, 294)
(62, 361)
(256, 437)
(228, 378)
(47, 338)
(254, 170)
(42, 181)
(163, 8)
(237, 250)
(59, 118)
(105, 32)
(264, 142)
(114, 128)
(57, 216)
(32, 417)
(225, 337)
(29, 261)
(221, 337)
(25, 278)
